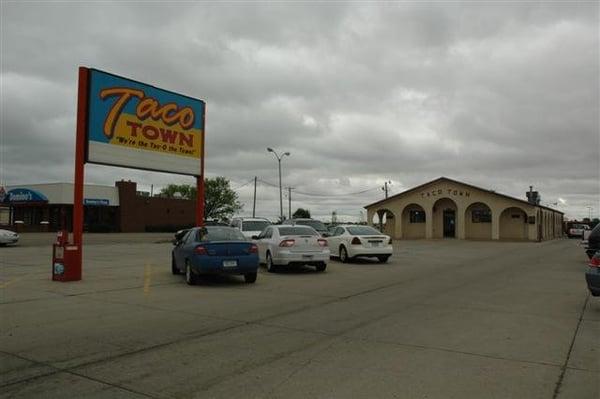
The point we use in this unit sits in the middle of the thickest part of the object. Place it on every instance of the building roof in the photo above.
(464, 184)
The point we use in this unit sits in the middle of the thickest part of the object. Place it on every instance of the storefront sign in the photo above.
(24, 195)
(96, 201)
(438, 192)
(136, 125)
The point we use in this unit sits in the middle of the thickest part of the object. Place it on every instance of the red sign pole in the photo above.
(82, 105)
(200, 179)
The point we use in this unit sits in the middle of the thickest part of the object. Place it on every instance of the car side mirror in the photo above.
(255, 237)
(175, 241)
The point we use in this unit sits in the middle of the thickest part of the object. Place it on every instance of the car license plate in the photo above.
(376, 243)
(307, 256)
(229, 263)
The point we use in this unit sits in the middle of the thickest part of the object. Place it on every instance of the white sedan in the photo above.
(8, 237)
(351, 241)
(286, 245)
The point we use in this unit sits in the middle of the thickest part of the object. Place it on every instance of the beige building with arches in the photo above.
(446, 208)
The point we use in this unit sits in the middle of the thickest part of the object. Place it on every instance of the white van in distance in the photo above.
(250, 226)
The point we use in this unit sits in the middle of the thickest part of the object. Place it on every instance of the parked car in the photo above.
(577, 230)
(292, 245)
(315, 224)
(593, 241)
(8, 237)
(350, 241)
(250, 226)
(214, 250)
(592, 276)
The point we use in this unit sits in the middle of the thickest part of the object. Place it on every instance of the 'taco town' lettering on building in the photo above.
(439, 192)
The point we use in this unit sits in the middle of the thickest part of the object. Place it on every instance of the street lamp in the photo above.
(280, 192)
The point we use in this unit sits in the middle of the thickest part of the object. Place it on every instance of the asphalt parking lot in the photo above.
(442, 319)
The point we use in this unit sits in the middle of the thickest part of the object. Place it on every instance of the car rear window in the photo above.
(315, 224)
(254, 225)
(297, 231)
(362, 231)
(215, 233)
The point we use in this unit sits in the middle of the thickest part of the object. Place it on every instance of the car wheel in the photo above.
(321, 267)
(250, 277)
(190, 277)
(271, 268)
(343, 254)
(383, 258)
(174, 268)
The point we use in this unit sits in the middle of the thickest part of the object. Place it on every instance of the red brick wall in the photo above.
(138, 213)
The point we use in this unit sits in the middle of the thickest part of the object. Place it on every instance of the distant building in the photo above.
(119, 208)
(446, 208)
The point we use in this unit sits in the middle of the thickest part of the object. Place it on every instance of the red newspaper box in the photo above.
(64, 259)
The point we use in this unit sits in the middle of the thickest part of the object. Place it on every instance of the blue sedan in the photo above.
(213, 250)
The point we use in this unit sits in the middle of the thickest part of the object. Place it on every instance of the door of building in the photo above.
(449, 223)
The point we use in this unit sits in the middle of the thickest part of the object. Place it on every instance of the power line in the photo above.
(243, 185)
(322, 195)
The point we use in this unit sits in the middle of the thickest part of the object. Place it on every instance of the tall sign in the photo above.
(122, 122)
(136, 125)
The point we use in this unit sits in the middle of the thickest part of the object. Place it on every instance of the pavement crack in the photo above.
(566, 363)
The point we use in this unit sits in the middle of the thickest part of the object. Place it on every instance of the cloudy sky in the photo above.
(502, 94)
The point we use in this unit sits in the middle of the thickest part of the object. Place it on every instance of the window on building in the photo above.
(481, 215)
(417, 216)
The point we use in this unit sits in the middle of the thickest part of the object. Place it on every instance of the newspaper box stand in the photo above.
(65, 258)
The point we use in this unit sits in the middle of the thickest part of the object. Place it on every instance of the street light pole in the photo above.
(280, 187)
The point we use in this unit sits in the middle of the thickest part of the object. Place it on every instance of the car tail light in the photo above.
(595, 262)
(390, 241)
(253, 249)
(287, 243)
(200, 250)
(356, 241)
(322, 242)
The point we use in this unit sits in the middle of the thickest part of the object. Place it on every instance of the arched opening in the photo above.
(413, 222)
(444, 218)
(384, 221)
(478, 222)
(513, 224)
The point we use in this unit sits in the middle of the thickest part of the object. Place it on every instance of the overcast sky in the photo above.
(502, 95)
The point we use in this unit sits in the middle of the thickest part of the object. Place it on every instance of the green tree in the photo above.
(184, 191)
(220, 201)
(301, 213)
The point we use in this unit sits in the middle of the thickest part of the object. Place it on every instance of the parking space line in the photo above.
(9, 282)
(147, 278)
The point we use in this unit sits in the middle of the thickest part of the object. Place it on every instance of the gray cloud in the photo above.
(502, 95)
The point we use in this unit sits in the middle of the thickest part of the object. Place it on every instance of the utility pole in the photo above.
(254, 202)
(289, 202)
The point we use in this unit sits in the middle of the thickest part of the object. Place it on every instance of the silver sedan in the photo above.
(8, 237)
(286, 245)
